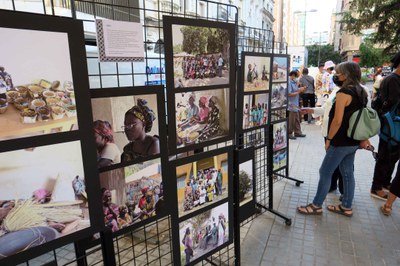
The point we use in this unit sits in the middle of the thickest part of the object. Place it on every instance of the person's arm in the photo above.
(342, 100)
(154, 147)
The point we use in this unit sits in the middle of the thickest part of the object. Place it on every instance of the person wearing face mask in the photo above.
(388, 156)
(340, 149)
(293, 106)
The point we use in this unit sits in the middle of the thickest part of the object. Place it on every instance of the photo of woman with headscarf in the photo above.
(212, 126)
(108, 152)
(139, 121)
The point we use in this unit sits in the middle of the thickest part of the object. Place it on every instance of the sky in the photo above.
(315, 21)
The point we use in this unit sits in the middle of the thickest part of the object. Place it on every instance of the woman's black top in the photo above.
(340, 138)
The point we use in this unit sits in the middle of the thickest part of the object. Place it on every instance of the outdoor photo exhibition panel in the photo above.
(200, 70)
(254, 91)
(49, 185)
(279, 88)
(245, 182)
(131, 141)
(204, 204)
(199, 53)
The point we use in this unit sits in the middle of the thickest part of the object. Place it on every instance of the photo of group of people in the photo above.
(200, 56)
(37, 96)
(280, 159)
(256, 73)
(246, 182)
(126, 128)
(279, 69)
(132, 194)
(202, 183)
(42, 196)
(279, 136)
(255, 110)
(278, 114)
(203, 233)
(279, 95)
(201, 116)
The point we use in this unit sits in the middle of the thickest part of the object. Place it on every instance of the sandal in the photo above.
(339, 209)
(310, 209)
(386, 210)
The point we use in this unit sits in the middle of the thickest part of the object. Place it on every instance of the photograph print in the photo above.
(279, 95)
(256, 73)
(246, 182)
(202, 183)
(278, 114)
(204, 233)
(255, 110)
(279, 69)
(202, 52)
(37, 93)
(279, 159)
(202, 116)
(126, 128)
(279, 136)
(131, 194)
(42, 196)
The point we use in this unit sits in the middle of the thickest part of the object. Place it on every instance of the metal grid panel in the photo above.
(151, 244)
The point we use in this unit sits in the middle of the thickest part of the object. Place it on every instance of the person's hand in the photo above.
(306, 110)
(365, 144)
(302, 89)
(327, 144)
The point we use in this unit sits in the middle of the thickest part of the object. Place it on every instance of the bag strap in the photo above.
(356, 122)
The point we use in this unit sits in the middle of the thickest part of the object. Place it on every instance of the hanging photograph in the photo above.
(278, 114)
(37, 85)
(127, 124)
(278, 95)
(200, 53)
(279, 136)
(202, 182)
(255, 110)
(132, 194)
(279, 159)
(204, 234)
(256, 72)
(42, 196)
(279, 69)
(201, 118)
(245, 182)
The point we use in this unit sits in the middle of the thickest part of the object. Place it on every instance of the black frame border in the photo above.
(241, 156)
(74, 30)
(176, 220)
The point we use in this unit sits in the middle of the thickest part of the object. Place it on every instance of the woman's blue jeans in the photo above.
(342, 156)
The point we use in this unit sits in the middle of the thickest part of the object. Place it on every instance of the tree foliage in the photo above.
(372, 57)
(383, 15)
(201, 40)
(326, 52)
(244, 184)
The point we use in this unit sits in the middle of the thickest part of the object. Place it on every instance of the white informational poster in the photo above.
(119, 41)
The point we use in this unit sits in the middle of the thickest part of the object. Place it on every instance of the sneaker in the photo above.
(379, 194)
(292, 137)
(318, 123)
(299, 135)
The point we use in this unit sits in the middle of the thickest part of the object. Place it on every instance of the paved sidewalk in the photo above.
(368, 238)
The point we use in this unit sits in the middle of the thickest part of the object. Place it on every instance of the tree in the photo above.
(383, 15)
(244, 184)
(326, 52)
(372, 57)
(194, 39)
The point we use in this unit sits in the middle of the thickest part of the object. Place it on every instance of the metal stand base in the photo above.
(288, 221)
(298, 182)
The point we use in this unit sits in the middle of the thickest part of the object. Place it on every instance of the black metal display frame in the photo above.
(151, 244)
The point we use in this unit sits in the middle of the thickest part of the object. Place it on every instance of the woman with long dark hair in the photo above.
(340, 149)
